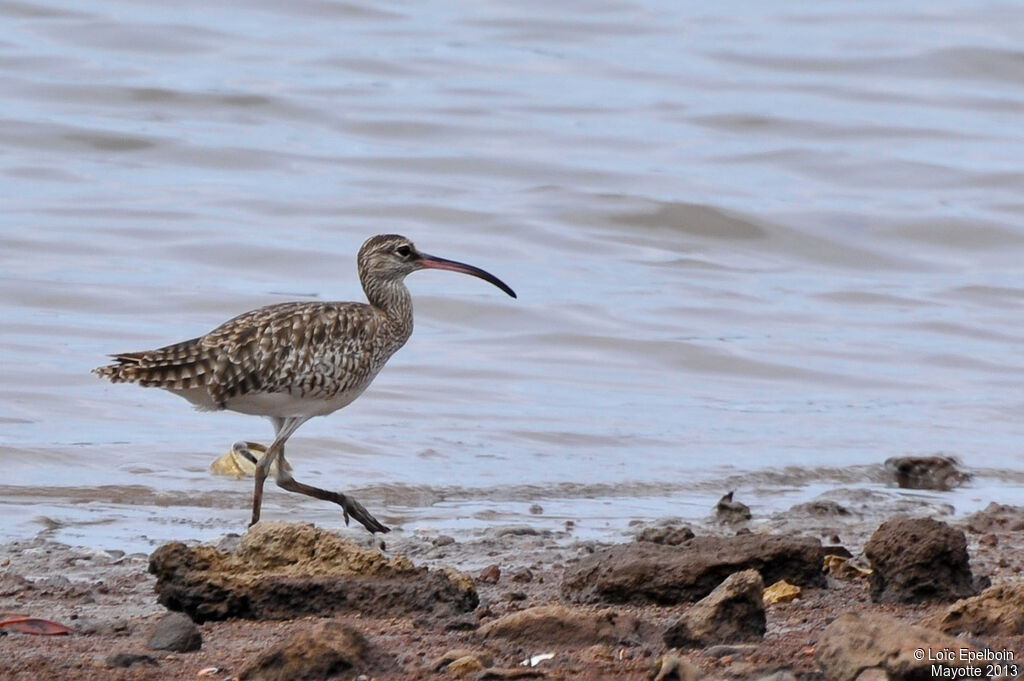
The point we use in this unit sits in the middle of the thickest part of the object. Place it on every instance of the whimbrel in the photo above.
(292, 361)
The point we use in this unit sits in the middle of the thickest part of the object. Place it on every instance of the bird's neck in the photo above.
(392, 298)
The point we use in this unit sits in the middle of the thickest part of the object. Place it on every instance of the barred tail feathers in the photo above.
(174, 367)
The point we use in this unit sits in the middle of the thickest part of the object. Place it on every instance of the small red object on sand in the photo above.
(34, 625)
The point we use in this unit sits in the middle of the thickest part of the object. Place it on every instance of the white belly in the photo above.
(280, 405)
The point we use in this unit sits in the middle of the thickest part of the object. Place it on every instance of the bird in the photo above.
(290, 362)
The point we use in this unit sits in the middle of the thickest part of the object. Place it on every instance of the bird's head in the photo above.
(390, 257)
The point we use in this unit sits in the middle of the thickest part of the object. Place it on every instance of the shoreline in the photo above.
(108, 599)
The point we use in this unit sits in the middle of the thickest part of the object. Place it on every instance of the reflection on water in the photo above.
(744, 239)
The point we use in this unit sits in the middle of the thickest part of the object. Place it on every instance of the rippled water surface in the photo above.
(757, 245)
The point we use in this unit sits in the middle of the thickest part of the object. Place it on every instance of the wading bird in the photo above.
(293, 361)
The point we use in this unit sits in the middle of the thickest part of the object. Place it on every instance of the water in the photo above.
(760, 246)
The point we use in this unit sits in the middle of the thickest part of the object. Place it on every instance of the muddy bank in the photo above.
(433, 606)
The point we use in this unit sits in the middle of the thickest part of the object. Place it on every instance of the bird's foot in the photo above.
(351, 507)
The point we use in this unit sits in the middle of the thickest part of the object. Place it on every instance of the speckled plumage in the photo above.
(292, 361)
(307, 351)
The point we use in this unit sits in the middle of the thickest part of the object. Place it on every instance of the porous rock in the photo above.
(916, 560)
(856, 643)
(327, 650)
(285, 571)
(558, 625)
(642, 572)
(732, 613)
(926, 472)
(996, 518)
(997, 611)
(176, 632)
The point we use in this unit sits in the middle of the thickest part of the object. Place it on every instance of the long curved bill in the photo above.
(435, 263)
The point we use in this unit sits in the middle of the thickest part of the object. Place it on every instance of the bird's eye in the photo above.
(403, 251)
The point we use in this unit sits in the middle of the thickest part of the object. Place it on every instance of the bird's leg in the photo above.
(349, 506)
(283, 429)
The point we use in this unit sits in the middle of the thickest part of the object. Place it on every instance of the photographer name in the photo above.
(968, 655)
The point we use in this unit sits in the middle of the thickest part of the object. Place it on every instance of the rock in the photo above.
(464, 666)
(731, 512)
(820, 508)
(489, 575)
(837, 550)
(286, 571)
(997, 611)
(671, 536)
(674, 668)
(521, 574)
(128, 660)
(857, 642)
(996, 518)
(557, 625)
(451, 656)
(926, 472)
(322, 651)
(918, 559)
(732, 613)
(642, 572)
(780, 592)
(177, 633)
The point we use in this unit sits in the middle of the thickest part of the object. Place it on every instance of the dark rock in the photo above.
(732, 613)
(286, 571)
(671, 536)
(820, 508)
(321, 652)
(916, 560)
(926, 472)
(996, 518)
(556, 625)
(997, 611)
(126, 660)
(837, 550)
(857, 642)
(731, 512)
(642, 572)
(176, 632)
